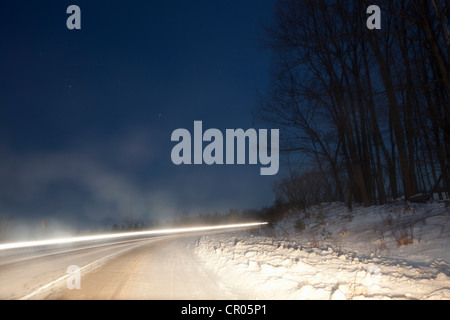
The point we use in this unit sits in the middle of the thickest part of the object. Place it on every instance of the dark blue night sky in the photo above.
(86, 115)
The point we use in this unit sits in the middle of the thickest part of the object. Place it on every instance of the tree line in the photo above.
(364, 115)
(202, 219)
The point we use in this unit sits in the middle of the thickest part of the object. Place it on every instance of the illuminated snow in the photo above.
(339, 255)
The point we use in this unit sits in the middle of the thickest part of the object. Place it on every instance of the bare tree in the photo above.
(372, 104)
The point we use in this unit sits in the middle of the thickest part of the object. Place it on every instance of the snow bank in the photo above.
(395, 251)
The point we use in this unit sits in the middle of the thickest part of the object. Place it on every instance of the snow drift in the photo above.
(395, 251)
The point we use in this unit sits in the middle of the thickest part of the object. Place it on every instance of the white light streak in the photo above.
(26, 244)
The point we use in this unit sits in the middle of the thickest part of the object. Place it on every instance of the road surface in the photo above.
(163, 267)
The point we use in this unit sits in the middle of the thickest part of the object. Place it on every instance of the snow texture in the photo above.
(395, 251)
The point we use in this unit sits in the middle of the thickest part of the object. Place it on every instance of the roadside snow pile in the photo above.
(395, 251)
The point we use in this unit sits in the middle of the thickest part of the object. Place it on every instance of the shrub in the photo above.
(404, 236)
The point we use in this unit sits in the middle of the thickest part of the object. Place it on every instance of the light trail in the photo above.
(26, 244)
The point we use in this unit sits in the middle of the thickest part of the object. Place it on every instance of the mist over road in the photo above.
(162, 267)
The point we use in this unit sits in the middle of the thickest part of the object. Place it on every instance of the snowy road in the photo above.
(336, 254)
(162, 267)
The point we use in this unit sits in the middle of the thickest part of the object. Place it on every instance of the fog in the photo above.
(128, 178)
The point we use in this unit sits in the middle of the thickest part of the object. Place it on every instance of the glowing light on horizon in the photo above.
(26, 244)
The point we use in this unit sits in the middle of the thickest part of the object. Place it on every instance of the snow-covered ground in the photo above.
(395, 251)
